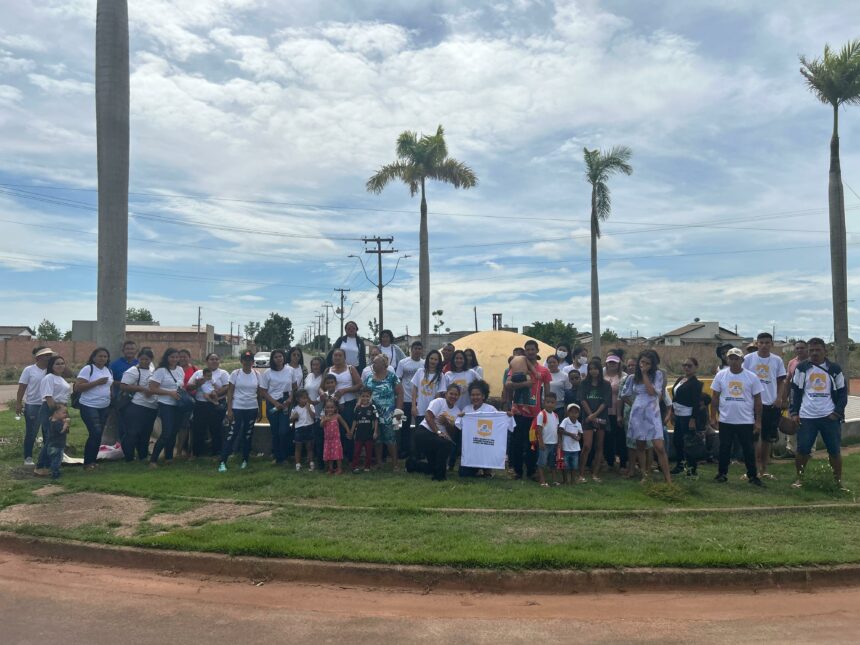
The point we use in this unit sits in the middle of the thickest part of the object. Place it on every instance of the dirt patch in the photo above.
(215, 513)
(50, 489)
(79, 509)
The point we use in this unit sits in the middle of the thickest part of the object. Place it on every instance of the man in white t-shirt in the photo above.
(800, 355)
(736, 403)
(819, 396)
(771, 373)
(28, 400)
(406, 369)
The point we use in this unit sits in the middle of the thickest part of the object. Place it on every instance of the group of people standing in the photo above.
(570, 413)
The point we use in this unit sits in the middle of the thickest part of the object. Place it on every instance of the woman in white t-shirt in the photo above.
(276, 388)
(165, 383)
(427, 384)
(208, 417)
(141, 411)
(388, 349)
(348, 383)
(94, 385)
(479, 392)
(242, 410)
(560, 383)
(353, 346)
(460, 375)
(313, 385)
(433, 437)
(54, 390)
(472, 362)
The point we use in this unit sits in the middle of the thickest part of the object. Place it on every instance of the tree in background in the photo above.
(373, 328)
(835, 81)
(138, 314)
(276, 332)
(553, 333)
(252, 329)
(599, 167)
(420, 159)
(609, 336)
(48, 331)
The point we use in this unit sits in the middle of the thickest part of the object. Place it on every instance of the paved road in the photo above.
(46, 602)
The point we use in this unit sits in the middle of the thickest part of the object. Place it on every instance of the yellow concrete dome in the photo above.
(493, 348)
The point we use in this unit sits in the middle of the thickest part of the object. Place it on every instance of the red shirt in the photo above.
(543, 378)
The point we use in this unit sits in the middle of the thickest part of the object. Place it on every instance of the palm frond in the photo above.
(407, 142)
(603, 201)
(453, 172)
(394, 171)
(835, 77)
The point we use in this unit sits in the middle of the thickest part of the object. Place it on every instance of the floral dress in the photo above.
(332, 447)
(384, 398)
(645, 423)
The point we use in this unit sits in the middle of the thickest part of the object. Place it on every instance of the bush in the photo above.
(672, 493)
(819, 476)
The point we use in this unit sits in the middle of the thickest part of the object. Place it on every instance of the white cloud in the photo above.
(61, 85)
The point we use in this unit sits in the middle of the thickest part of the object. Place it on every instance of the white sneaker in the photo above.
(298, 467)
(312, 466)
(29, 461)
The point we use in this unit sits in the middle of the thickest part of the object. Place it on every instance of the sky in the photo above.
(255, 125)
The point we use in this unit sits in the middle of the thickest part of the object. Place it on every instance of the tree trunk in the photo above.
(424, 274)
(112, 114)
(595, 290)
(838, 253)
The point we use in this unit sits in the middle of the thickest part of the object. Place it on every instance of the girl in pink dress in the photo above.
(332, 447)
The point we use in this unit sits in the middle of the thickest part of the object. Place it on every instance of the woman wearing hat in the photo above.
(242, 410)
(29, 400)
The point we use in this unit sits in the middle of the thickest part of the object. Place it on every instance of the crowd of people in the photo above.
(366, 405)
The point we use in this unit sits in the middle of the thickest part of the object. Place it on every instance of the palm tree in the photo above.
(112, 108)
(835, 80)
(599, 167)
(420, 159)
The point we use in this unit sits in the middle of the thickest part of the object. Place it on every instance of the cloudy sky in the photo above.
(256, 123)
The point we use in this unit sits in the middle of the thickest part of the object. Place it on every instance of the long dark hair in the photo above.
(96, 351)
(50, 368)
(438, 373)
(167, 352)
(652, 356)
(271, 363)
(567, 359)
(594, 362)
(471, 358)
(459, 352)
(290, 356)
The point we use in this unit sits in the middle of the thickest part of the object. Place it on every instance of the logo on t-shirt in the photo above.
(762, 370)
(817, 383)
(736, 388)
(485, 427)
(427, 387)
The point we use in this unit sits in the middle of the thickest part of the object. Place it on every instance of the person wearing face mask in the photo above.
(580, 361)
(565, 358)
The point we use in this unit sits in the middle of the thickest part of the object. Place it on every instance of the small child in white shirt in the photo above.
(547, 436)
(570, 431)
(207, 388)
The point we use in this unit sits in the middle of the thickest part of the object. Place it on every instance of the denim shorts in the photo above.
(547, 455)
(571, 460)
(831, 435)
(304, 433)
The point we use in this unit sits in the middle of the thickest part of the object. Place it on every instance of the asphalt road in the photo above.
(46, 602)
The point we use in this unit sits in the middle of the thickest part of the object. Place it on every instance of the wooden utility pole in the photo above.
(378, 251)
(340, 310)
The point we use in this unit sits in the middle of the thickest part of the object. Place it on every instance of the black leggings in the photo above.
(436, 450)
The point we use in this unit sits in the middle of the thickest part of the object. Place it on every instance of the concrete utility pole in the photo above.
(319, 318)
(112, 110)
(199, 315)
(340, 310)
(327, 306)
(378, 251)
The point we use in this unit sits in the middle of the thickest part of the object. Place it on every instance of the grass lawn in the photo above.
(385, 517)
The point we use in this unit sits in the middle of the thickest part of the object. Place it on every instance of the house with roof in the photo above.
(16, 331)
(698, 333)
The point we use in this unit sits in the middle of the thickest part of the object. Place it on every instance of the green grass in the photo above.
(389, 518)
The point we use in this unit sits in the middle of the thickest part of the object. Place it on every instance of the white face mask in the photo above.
(583, 360)
(561, 354)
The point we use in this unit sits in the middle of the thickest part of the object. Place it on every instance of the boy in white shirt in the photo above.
(546, 424)
(771, 372)
(570, 432)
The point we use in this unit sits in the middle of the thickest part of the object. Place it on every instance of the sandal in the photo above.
(544, 485)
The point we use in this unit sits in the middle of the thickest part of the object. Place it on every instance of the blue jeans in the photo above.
(45, 424)
(55, 445)
(170, 420)
(94, 419)
(831, 435)
(242, 430)
(279, 424)
(31, 425)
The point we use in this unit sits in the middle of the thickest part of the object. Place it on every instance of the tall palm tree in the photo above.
(112, 108)
(599, 167)
(420, 159)
(835, 80)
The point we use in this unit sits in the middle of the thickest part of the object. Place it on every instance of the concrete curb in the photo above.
(429, 578)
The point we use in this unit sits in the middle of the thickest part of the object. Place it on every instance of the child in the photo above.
(519, 371)
(326, 392)
(207, 388)
(547, 436)
(302, 418)
(572, 395)
(570, 431)
(365, 429)
(332, 448)
(57, 434)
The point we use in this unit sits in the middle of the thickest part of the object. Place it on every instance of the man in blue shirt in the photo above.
(118, 368)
